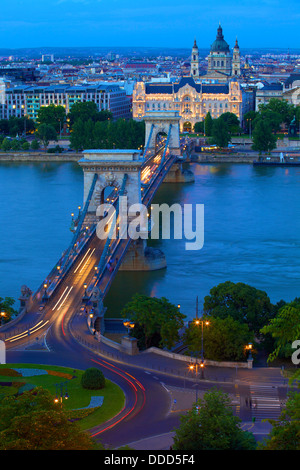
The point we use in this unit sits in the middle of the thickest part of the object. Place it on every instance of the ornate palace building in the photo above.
(218, 91)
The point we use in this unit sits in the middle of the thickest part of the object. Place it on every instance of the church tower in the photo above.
(236, 60)
(219, 59)
(195, 61)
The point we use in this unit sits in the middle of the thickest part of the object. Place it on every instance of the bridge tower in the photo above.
(121, 170)
(114, 169)
(159, 123)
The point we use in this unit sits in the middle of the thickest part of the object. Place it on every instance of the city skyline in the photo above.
(88, 23)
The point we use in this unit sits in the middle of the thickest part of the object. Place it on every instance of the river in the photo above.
(251, 232)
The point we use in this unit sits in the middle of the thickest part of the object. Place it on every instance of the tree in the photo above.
(285, 432)
(232, 122)
(199, 127)
(25, 146)
(242, 302)
(32, 421)
(208, 122)
(220, 133)
(35, 145)
(6, 145)
(281, 107)
(93, 379)
(46, 133)
(15, 145)
(107, 134)
(284, 328)
(249, 119)
(4, 128)
(273, 118)
(156, 321)
(263, 139)
(211, 425)
(6, 306)
(87, 110)
(224, 339)
(52, 115)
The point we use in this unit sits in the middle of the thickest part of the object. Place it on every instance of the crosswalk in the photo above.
(264, 402)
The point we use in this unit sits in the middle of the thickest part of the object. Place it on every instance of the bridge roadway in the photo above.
(71, 287)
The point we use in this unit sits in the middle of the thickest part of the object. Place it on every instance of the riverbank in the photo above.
(39, 157)
(74, 157)
(223, 158)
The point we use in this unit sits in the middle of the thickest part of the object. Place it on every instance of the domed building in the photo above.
(218, 91)
(222, 65)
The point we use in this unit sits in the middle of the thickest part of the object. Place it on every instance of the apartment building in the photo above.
(26, 100)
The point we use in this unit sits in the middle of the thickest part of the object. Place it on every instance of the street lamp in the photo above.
(2, 317)
(129, 325)
(65, 395)
(249, 348)
(194, 367)
(45, 296)
(85, 296)
(201, 322)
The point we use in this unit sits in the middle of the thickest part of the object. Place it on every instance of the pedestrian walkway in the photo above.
(159, 442)
(171, 365)
(264, 402)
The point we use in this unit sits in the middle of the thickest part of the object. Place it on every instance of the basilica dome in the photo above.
(219, 45)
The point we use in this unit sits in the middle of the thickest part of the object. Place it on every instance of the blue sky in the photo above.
(162, 23)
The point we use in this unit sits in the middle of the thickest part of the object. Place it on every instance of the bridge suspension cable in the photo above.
(81, 220)
(166, 147)
(102, 261)
(149, 139)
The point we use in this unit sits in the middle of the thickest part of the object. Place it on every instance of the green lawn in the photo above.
(79, 397)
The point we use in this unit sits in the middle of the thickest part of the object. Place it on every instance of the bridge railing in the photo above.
(78, 242)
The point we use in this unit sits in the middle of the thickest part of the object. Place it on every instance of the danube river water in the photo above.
(251, 232)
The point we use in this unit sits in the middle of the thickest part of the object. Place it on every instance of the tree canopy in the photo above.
(220, 133)
(120, 134)
(46, 132)
(6, 307)
(87, 110)
(52, 115)
(263, 138)
(211, 425)
(32, 421)
(242, 302)
(157, 321)
(224, 339)
(285, 329)
(285, 432)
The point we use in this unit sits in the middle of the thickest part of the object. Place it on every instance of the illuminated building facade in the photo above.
(192, 100)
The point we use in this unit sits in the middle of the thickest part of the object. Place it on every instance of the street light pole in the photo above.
(198, 322)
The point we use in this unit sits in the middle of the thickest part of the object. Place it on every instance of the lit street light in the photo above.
(201, 322)
(129, 325)
(2, 317)
(59, 397)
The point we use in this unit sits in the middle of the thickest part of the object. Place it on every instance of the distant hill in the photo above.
(136, 52)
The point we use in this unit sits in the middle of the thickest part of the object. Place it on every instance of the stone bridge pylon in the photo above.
(115, 168)
(118, 170)
(159, 123)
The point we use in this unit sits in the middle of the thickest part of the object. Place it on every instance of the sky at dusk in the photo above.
(156, 23)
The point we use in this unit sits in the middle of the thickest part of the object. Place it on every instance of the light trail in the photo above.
(59, 299)
(91, 254)
(27, 332)
(132, 385)
(67, 295)
(81, 261)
